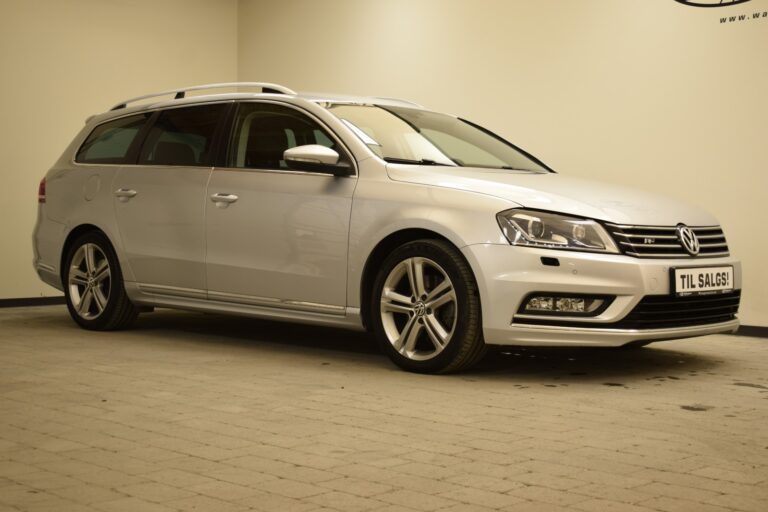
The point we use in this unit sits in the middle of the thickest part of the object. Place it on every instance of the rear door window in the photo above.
(110, 142)
(183, 136)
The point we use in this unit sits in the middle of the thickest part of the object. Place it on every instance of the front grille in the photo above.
(664, 312)
(663, 242)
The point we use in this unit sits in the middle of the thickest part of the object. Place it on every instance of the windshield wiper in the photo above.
(505, 167)
(423, 161)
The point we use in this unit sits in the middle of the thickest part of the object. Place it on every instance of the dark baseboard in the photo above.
(756, 331)
(32, 301)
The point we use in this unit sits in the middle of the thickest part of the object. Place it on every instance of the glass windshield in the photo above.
(413, 136)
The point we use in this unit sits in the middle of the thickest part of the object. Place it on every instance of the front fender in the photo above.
(384, 207)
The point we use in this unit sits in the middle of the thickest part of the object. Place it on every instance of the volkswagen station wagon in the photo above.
(435, 234)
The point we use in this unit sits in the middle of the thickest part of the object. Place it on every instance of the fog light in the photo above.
(565, 305)
(570, 305)
(541, 304)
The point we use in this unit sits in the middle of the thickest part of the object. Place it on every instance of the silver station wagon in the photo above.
(368, 213)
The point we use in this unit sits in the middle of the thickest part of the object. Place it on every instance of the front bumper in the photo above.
(506, 274)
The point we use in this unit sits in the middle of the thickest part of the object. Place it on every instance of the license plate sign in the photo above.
(702, 281)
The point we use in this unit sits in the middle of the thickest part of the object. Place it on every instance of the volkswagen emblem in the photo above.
(688, 239)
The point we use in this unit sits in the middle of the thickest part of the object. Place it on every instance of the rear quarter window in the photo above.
(109, 142)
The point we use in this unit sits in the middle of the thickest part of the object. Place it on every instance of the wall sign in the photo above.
(711, 3)
(729, 16)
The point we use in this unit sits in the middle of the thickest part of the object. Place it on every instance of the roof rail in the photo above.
(181, 92)
(407, 102)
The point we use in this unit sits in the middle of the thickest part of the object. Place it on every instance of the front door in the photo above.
(277, 237)
(160, 203)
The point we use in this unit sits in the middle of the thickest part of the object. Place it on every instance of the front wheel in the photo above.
(93, 285)
(426, 308)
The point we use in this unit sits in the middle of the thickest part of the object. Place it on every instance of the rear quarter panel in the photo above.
(76, 194)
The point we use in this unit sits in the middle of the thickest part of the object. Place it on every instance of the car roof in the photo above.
(267, 90)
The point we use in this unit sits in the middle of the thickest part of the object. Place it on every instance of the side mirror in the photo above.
(316, 158)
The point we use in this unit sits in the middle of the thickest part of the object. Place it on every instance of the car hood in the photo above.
(557, 193)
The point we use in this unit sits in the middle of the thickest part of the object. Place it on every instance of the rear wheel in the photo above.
(93, 285)
(426, 309)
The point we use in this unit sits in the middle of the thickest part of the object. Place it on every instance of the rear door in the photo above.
(277, 237)
(160, 202)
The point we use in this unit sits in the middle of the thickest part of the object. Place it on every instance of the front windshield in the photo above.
(407, 135)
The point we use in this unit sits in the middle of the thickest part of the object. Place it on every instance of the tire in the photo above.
(93, 285)
(438, 329)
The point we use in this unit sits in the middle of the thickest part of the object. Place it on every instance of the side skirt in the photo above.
(269, 309)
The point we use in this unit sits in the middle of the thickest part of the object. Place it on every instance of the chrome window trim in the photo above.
(163, 167)
(282, 171)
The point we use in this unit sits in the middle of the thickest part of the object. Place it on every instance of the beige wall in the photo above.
(650, 93)
(647, 93)
(62, 60)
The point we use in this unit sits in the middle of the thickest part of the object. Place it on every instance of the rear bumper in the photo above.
(47, 240)
(507, 274)
(48, 275)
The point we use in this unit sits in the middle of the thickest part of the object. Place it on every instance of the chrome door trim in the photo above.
(271, 302)
(173, 291)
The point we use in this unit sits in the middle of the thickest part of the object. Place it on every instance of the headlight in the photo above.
(553, 231)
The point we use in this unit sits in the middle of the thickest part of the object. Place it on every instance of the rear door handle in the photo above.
(124, 194)
(224, 198)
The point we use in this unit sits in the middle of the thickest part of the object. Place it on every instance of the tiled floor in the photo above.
(210, 413)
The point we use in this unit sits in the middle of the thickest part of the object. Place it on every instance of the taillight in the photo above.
(41, 191)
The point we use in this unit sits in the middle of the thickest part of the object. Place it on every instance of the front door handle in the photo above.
(124, 194)
(223, 200)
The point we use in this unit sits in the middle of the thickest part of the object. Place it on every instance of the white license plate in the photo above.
(704, 280)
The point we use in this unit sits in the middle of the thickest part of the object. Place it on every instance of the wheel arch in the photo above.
(73, 235)
(380, 252)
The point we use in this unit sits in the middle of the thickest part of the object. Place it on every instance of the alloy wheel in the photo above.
(89, 281)
(418, 308)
